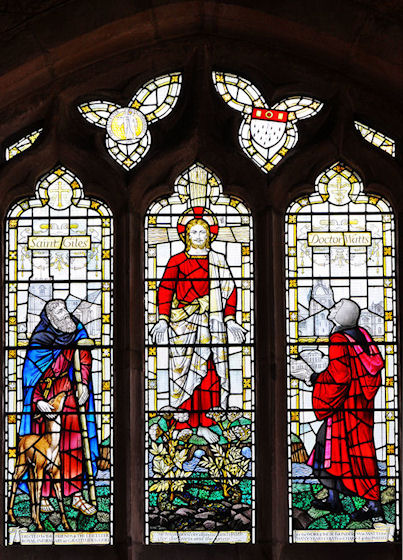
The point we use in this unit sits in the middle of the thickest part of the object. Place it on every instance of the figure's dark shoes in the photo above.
(367, 513)
(325, 505)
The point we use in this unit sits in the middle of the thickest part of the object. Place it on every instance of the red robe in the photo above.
(54, 381)
(186, 277)
(343, 396)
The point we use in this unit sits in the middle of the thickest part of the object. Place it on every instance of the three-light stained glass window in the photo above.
(58, 366)
(342, 363)
(199, 365)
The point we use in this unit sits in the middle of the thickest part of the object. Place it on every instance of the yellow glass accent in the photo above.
(388, 316)
(213, 182)
(283, 151)
(152, 284)
(234, 202)
(85, 109)
(136, 104)
(292, 283)
(106, 222)
(390, 449)
(294, 383)
(152, 220)
(75, 185)
(339, 168)
(152, 351)
(13, 223)
(127, 162)
(293, 349)
(106, 286)
(387, 251)
(268, 166)
(12, 452)
(106, 254)
(106, 353)
(245, 251)
(390, 382)
(12, 320)
(247, 383)
(226, 97)
(12, 353)
(294, 416)
(245, 317)
(150, 116)
(106, 318)
(293, 315)
(106, 385)
(12, 255)
(94, 204)
(373, 200)
(291, 116)
(174, 78)
(12, 419)
(292, 219)
(219, 78)
(59, 172)
(390, 415)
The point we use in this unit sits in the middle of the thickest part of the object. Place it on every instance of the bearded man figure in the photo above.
(197, 305)
(49, 370)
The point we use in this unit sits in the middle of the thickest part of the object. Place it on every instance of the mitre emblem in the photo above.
(266, 133)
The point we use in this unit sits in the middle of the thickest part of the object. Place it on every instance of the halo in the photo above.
(198, 212)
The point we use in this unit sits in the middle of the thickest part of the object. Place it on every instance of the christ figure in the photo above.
(196, 306)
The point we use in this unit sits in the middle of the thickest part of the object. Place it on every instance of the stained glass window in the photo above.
(376, 138)
(199, 365)
(342, 369)
(266, 134)
(58, 366)
(22, 144)
(128, 138)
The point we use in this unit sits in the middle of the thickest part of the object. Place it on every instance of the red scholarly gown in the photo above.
(186, 277)
(343, 396)
(54, 381)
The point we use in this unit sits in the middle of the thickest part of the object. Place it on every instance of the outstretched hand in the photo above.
(82, 394)
(46, 408)
(238, 332)
(158, 331)
(300, 370)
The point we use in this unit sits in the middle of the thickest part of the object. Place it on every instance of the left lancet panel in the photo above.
(128, 138)
(58, 366)
(23, 144)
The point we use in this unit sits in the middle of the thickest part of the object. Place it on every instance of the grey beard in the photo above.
(66, 325)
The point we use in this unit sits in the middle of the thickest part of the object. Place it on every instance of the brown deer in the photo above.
(40, 456)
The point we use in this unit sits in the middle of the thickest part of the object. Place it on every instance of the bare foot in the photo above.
(46, 506)
(82, 505)
(207, 434)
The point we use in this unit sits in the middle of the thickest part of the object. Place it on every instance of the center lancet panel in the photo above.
(199, 365)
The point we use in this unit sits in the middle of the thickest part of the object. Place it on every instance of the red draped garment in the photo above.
(54, 381)
(186, 277)
(343, 395)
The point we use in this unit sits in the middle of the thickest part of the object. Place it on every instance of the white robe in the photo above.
(197, 331)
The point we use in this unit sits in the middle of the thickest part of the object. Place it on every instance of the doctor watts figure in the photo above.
(197, 305)
(344, 456)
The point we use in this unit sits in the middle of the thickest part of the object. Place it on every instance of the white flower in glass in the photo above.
(128, 138)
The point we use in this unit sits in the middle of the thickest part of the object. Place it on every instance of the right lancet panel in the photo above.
(342, 364)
